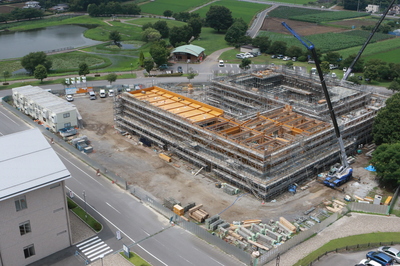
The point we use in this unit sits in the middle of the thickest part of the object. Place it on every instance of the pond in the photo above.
(21, 43)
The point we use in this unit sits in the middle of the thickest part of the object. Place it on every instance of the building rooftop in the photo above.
(190, 49)
(29, 163)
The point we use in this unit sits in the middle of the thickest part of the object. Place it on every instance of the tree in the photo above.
(325, 67)
(394, 86)
(162, 27)
(147, 25)
(148, 65)
(111, 77)
(159, 53)
(219, 18)
(191, 74)
(386, 160)
(294, 51)
(235, 32)
(6, 75)
(245, 64)
(115, 36)
(40, 72)
(332, 57)
(278, 47)
(182, 16)
(358, 67)
(180, 35)
(83, 69)
(168, 13)
(132, 9)
(141, 58)
(371, 73)
(31, 60)
(151, 35)
(354, 79)
(195, 24)
(394, 70)
(262, 42)
(386, 127)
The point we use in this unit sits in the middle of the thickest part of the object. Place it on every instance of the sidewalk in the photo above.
(354, 224)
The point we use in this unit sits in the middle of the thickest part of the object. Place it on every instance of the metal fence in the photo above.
(272, 254)
(191, 227)
(82, 156)
(370, 208)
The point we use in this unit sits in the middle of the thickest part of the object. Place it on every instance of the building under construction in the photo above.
(260, 131)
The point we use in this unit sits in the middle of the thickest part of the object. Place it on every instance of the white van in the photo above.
(221, 63)
(103, 93)
(110, 93)
(92, 95)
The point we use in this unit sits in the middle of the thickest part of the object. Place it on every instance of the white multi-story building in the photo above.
(34, 221)
(372, 8)
(55, 113)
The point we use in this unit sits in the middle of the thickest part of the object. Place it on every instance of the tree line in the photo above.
(21, 14)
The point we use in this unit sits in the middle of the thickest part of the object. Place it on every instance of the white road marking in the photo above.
(112, 207)
(8, 117)
(119, 230)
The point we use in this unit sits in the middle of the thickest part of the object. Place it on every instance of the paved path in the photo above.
(346, 226)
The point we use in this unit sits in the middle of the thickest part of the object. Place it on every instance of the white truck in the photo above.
(103, 93)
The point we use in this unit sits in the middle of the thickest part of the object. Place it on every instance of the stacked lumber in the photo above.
(287, 224)
(249, 222)
(164, 157)
(197, 214)
(179, 210)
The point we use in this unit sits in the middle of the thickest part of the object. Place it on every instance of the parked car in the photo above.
(380, 257)
(334, 75)
(92, 95)
(367, 262)
(240, 56)
(163, 67)
(69, 98)
(248, 55)
(221, 63)
(273, 56)
(332, 66)
(391, 252)
(286, 58)
(311, 61)
(136, 87)
(280, 56)
(180, 70)
(294, 59)
(110, 93)
(103, 93)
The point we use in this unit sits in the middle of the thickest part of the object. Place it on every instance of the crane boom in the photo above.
(348, 71)
(311, 47)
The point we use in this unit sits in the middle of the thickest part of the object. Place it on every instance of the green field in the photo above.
(141, 21)
(158, 7)
(244, 10)
(210, 40)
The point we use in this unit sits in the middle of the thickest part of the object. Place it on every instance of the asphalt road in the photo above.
(159, 242)
(351, 258)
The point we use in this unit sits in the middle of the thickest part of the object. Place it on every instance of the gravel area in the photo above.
(80, 231)
(355, 224)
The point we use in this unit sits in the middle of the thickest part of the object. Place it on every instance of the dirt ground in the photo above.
(302, 28)
(142, 167)
(10, 7)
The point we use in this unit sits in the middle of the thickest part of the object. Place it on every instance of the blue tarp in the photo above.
(370, 168)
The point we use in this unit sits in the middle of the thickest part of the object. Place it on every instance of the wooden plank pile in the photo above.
(197, 214)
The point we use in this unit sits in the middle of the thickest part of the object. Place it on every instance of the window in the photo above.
(25, 228)
(20, 203)
(66, 125)
(29, 251)
(66, 115)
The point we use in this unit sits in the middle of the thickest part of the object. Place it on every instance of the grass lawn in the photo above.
(297, 2)
(84, 216)
(244, 10)
(142, 21)
(135, 259)
(158, 7)
(211, 41)
(350, 241)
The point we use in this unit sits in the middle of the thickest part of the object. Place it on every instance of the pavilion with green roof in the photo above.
(187, 52)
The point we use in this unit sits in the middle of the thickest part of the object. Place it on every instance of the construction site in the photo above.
(260, 132)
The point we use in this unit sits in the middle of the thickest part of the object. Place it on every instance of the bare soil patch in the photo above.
(302, 28)
(10, 7)
(142, 167)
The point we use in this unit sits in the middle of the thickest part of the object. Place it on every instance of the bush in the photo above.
(170, 75)
(97, 226)
(71, 204)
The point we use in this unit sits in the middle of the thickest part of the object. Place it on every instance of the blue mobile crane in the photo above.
(343, 173)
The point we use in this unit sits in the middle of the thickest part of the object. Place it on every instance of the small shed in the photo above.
(190, 52)
(249, 49)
